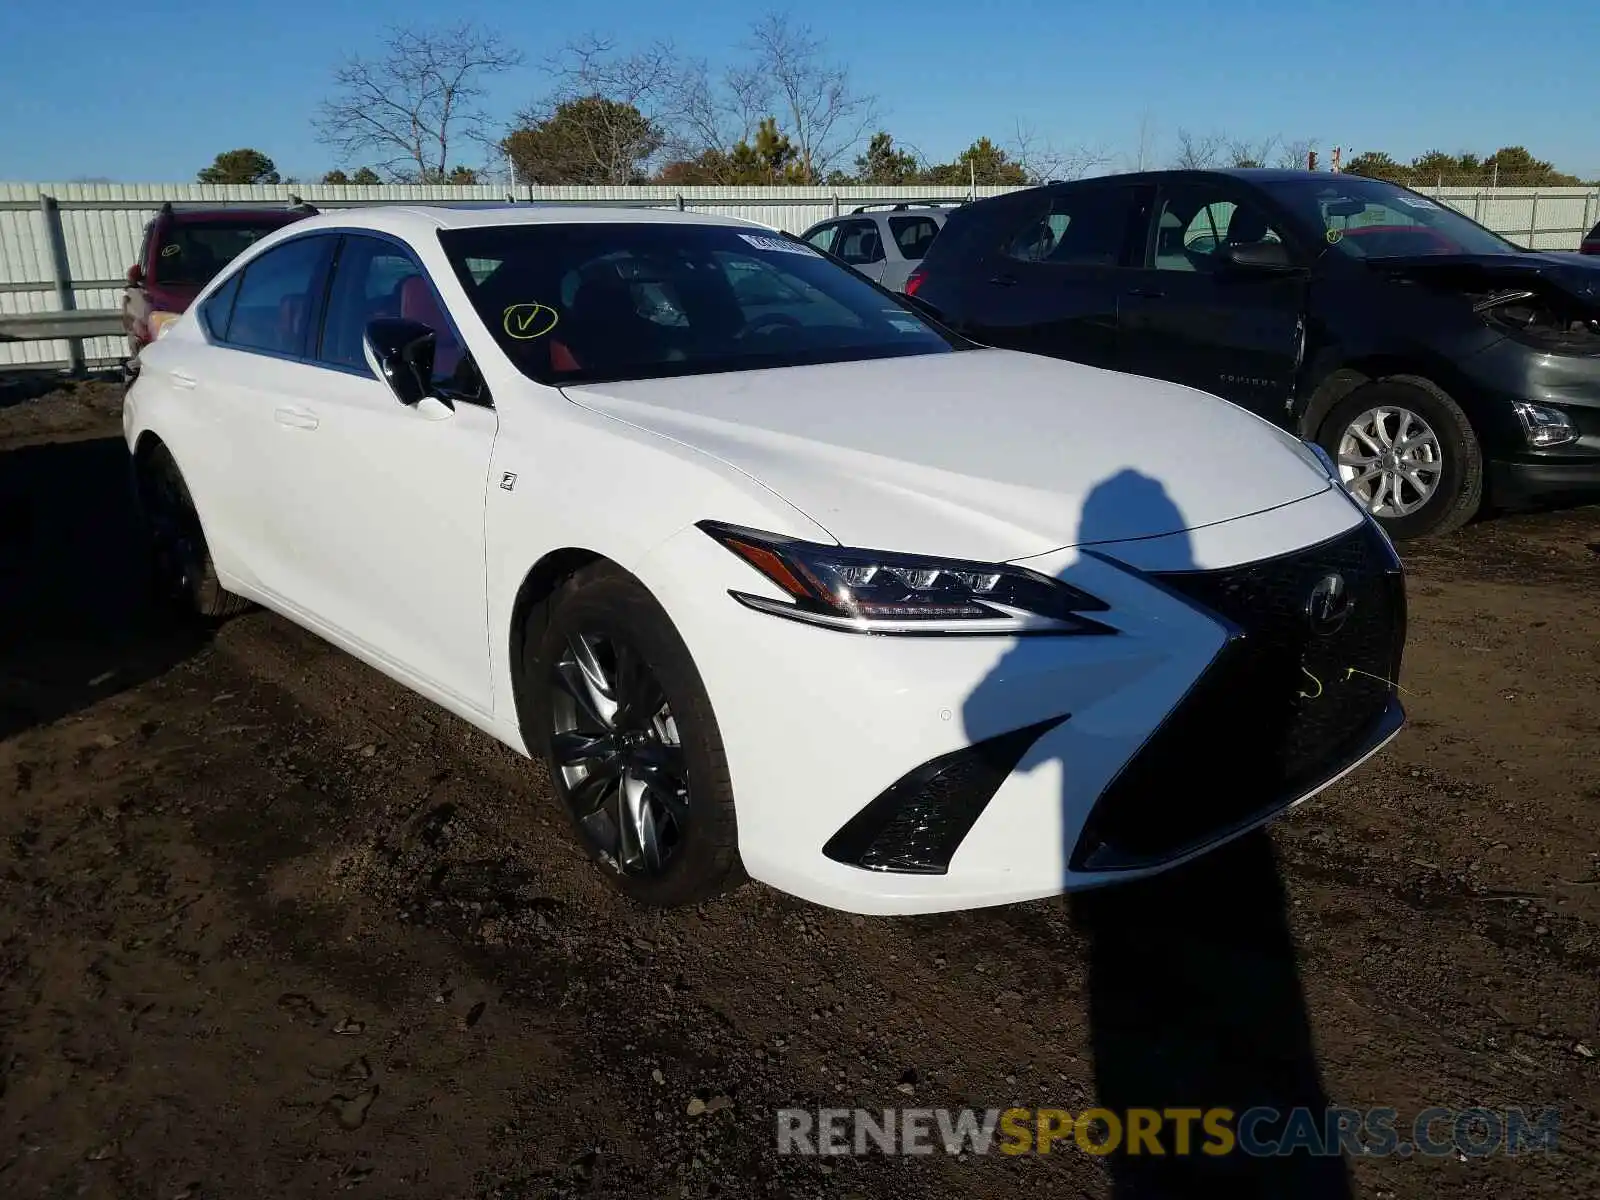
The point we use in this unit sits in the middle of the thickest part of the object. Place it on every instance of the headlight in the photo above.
(1545, 427)
(1549, 323)
(161, 322)
(870, 591)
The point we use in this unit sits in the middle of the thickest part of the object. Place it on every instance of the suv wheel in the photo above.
(1408, 454)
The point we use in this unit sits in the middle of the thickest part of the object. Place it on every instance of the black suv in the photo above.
(1430, 357)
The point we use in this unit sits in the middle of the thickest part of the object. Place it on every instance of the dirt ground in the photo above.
(270, 926)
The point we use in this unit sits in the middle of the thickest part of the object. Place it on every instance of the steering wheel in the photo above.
(770, 323)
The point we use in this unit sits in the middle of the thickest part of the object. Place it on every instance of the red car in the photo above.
(1591, 244)
(182, 251)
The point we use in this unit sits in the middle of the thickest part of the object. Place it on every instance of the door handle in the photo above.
(296, 418)
(1003, 280)
(184, 380)
(1146, 293)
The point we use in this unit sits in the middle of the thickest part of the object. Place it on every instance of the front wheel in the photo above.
(1408, 454)
(626, 728)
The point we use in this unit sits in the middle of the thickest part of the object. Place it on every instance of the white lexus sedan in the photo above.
(779, 577)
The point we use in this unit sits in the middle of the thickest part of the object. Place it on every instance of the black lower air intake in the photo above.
(915, 825)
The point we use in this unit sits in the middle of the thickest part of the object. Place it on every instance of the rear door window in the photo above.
(216, 312)
(913, 235)
(272, 310)
(1091, 227)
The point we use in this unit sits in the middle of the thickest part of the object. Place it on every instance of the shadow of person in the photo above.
(76, 619)
(1194, 995)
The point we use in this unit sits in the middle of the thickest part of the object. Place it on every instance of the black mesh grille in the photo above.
(1281, 709)
(915, 824)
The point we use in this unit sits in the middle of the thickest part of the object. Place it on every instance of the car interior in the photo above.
(914, 237)
(860, 243)
(623, 310)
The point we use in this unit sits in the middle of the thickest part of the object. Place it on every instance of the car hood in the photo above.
(981, 454)
(1574, 275)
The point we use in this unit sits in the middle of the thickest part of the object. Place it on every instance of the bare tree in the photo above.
(715, 112)
(1041, 160)
(693, 111)
(1294, 155)
(822, 112)
(1198, 152)
(613, 110)
(1242, 152)
(415, 101)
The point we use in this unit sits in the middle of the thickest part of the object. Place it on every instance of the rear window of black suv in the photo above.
(584, 303)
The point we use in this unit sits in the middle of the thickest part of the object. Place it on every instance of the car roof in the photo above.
(239, 215)
(420, 219)
(1246, 174)
(938, 213)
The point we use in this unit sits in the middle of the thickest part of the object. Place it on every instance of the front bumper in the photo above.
(820, 727)
(1509, 371)
(1531, 478)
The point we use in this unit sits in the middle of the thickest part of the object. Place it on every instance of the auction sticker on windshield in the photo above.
(778, 244)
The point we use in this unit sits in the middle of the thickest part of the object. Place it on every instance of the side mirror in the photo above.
(1256, 257)
(135, 275)
(401, 354)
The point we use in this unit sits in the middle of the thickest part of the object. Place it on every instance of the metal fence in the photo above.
(65, 248)
(1538, 218)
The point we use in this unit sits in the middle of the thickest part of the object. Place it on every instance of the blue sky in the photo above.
(153, 90)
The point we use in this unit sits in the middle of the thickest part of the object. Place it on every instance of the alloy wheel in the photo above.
(1389, 460)
(615, 741)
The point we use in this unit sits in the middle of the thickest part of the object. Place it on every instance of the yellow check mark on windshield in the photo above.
(528, 321)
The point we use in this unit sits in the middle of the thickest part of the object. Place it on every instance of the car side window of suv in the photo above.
(822, 238)
(913, 235)
(272, 307)
(1087, 227)
(374, 279)
(1197, 220)
(859, 243)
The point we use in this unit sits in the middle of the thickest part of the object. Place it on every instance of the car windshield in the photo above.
(1368, 218)
(582, 303)
(191, 252)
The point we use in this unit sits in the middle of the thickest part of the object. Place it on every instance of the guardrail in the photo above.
(48, 326)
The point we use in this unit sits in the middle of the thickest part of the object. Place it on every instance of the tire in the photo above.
(1456, 470)
(183, 578)
(692, 827)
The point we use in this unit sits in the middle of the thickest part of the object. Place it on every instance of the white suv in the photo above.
(885, 246)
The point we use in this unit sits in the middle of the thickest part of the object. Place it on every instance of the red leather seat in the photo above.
(561, 358)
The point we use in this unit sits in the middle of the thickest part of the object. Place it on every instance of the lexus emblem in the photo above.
(1329, 605)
